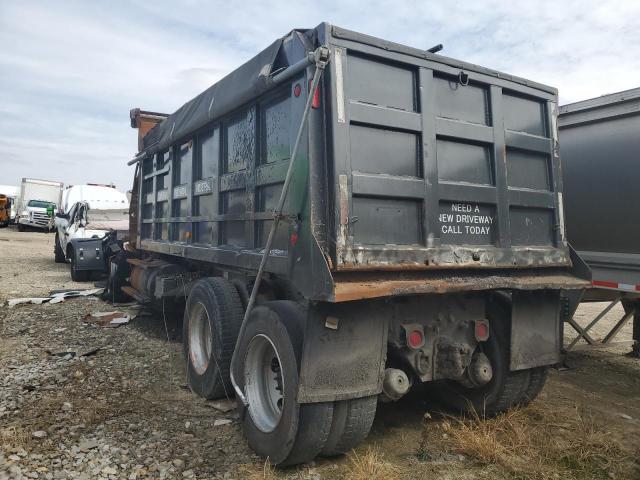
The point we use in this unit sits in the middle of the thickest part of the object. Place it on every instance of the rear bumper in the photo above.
(359, 286)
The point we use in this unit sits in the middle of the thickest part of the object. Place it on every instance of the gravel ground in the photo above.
(78, 401)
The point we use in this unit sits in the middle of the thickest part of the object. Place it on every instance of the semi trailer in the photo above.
(346, 218)
(600, 143)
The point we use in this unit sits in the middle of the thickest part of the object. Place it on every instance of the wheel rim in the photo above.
(264, 383)
(200, 338)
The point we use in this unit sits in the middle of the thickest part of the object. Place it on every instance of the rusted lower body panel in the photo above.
(359, 286)
(452, 257)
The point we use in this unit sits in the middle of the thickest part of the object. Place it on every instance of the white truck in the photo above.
(93, 221)
(39, 200)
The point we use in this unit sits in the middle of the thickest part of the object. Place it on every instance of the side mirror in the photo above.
(62, 215)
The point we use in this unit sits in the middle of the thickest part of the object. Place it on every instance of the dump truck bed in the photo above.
(600, 141)
(440, 164)
(410, 161)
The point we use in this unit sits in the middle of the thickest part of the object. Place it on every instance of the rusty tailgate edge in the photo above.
(359, 287)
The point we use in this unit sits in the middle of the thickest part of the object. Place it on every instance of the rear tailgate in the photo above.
(439, 163)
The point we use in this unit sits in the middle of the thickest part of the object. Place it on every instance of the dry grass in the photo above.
(370, 465)
(259, 472)
(16, 437)
(536, 442)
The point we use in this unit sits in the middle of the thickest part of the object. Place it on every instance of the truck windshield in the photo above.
(40, 204)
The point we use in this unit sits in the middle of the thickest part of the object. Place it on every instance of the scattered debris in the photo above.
(39, 434)
(107, 319)
(225, 405)
(221, 421)
(34, 300)
(71, 354)
(626, 417)
(58, 297)
(91, 352)
(63, 353)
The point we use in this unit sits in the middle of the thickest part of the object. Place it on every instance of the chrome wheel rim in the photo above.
(200, 338)
(264, 383)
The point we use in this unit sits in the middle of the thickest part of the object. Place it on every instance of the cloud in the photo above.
(70, 71)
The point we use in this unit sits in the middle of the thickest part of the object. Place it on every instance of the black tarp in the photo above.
(246, 82)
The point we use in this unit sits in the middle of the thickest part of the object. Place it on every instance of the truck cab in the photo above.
(37, 214)
(98, 213)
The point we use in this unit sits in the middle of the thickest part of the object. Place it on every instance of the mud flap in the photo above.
(344, 353)
(535, 329)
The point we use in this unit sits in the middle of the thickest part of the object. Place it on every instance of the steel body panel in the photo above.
(373, 179)
(487, 178)
(600, 143)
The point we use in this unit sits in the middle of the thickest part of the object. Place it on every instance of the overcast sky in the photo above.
(71, 71)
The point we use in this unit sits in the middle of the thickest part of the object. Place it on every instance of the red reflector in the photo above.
(415, 339)
(600, 283)
(297, 89)
(316, 96)
(293, 239)
(482, 331)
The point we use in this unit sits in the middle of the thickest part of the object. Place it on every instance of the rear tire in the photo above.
(506, 389)
(77, 275)
(275, 424)
(537, 379)
(212, 318)
(352, 421)
(57, 251)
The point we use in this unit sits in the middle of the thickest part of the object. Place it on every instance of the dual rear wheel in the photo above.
(275, 424)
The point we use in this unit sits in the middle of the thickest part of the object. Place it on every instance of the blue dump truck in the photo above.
(346, 218)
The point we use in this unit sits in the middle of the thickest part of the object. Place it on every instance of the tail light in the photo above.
(415, 339)
(482, 330)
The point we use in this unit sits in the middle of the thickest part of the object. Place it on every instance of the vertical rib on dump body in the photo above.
(411, 161)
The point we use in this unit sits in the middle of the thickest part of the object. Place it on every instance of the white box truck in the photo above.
(39, 200)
